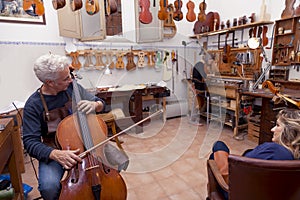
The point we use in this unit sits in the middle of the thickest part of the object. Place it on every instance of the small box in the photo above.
(233, 104)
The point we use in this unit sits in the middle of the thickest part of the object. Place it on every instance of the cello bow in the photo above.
(83, 154)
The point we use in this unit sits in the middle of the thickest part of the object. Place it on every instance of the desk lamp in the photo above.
(107, 70)
(254, 43)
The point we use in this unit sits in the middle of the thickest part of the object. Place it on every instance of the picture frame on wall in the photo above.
(11, 11)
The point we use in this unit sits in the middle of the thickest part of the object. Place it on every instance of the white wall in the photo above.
(21, 44)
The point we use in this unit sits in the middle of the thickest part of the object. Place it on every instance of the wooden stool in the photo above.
(109, 119)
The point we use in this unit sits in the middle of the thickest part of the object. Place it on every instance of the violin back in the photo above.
(145, 15)
(190, 15)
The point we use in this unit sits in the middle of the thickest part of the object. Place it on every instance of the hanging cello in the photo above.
(91, 179)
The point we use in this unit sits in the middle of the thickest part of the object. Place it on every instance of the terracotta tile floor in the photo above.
(167, 160)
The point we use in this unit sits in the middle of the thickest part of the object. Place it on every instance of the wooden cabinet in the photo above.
(247, 70)
(267, 119)
(136, 31)
(8, 156)
(17, 140)
(81, 25)
(279, 74)
(269, 109)
(87, 27)
(225, 100)
(286, 42)
(233, 75)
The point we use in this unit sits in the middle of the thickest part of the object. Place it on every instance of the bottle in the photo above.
(250, 86)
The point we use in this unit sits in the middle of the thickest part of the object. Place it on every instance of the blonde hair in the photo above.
(290, 136)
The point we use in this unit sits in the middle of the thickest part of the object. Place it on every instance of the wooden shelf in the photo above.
(234, 28)
(287, 42)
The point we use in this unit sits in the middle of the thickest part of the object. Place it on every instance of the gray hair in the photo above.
(47, 66)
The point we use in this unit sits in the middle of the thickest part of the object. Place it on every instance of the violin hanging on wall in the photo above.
(145, 15)
(289, 9)
(76, 4)
(169, 25)
(110, 7)
(75, 61)
(226, 51)
(190, 15)
(163, 12)
(91, 6)
(58, 4)
(202, 8)
(177, 15)
(130, 61)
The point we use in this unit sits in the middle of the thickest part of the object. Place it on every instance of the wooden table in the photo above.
(17, 140)
(8, 157)
(134, 99)
(269, 109)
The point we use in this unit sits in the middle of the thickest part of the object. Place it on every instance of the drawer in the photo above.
(254, 127)
(228, 92)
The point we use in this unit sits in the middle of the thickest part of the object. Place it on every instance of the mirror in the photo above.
(254, 43)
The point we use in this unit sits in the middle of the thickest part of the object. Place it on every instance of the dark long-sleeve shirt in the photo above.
(34, 125)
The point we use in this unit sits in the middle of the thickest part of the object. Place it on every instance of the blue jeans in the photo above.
(220, 146)
(50, 175)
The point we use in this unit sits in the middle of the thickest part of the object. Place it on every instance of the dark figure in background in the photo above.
(198, 79)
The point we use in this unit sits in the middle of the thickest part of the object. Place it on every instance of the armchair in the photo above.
(257, 179)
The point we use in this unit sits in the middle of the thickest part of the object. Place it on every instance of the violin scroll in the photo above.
(272, 88)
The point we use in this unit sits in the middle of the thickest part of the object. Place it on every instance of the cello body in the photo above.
(92, 178)
(79, 182)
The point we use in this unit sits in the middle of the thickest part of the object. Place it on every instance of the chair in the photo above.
(255, 179)
(110, 120)
(195, 109)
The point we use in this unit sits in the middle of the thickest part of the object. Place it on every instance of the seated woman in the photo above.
(285, 143)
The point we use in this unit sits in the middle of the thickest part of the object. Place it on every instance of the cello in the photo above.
(93, 178)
